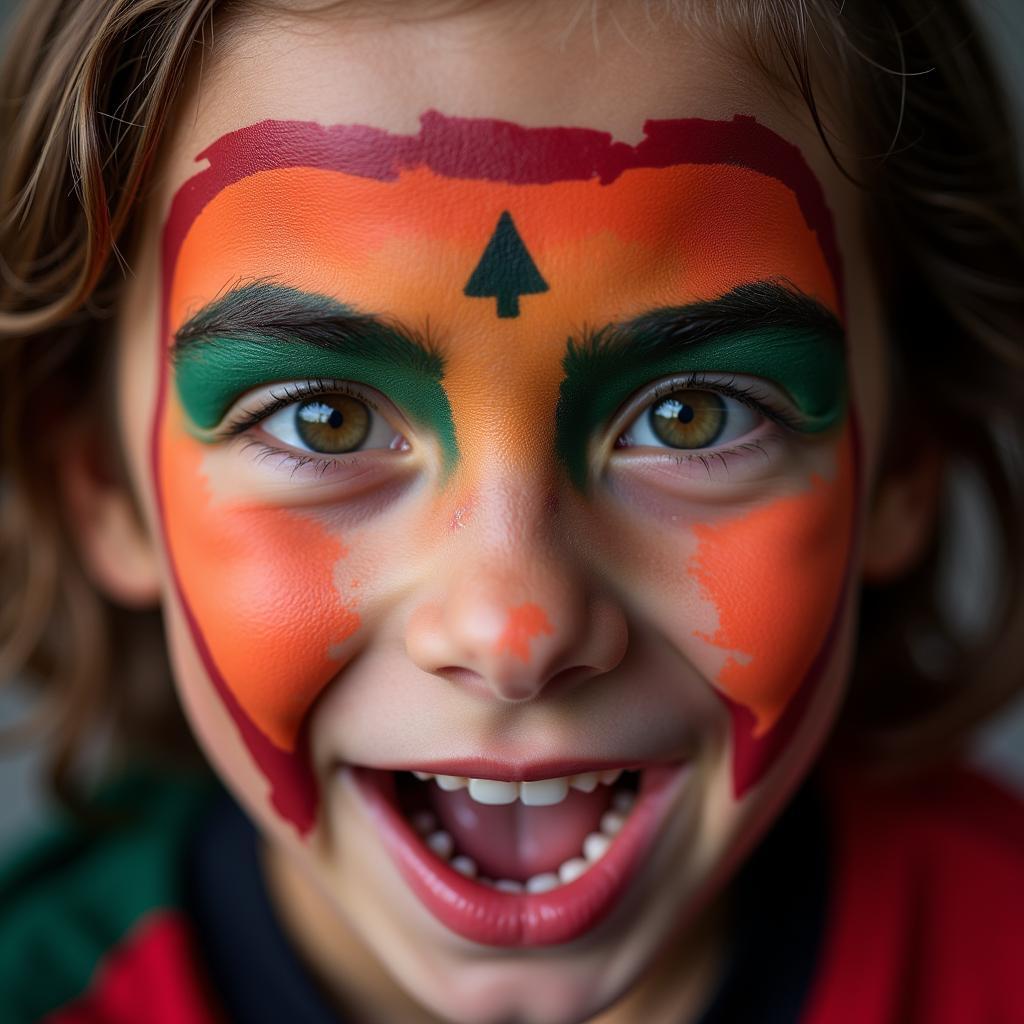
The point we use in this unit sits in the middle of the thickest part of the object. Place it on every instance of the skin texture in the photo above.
(391, 189)
(414, 606)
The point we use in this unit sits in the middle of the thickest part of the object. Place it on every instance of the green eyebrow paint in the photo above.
(806, 359)
(213, 369)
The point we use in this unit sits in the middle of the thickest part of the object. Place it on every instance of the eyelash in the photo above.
(759, 401)
(285, 395)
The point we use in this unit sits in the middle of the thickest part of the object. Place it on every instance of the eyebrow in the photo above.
(760, 305)
(262, 332)
(767, 329)
(274, 313)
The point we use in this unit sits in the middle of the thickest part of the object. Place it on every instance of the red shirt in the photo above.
(926, 922)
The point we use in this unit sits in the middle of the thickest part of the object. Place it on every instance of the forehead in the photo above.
(397, 223)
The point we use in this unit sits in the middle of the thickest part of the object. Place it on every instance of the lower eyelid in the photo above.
(766, 453)
(294, 462)
(260, 452)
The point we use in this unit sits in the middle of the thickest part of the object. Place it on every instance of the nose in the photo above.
(515, 621)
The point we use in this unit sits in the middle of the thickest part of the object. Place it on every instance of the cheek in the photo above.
(260, 591)
(776, 576)
(763, 593)
(260, 584)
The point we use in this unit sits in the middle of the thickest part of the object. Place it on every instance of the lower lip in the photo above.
(484, 915)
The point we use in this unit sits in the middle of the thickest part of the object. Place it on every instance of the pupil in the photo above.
(685, 414)
(335, 419)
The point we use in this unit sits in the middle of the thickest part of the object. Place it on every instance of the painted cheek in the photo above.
(260, 585)
(776, 576)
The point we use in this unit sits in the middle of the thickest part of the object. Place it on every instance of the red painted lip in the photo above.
(484, 915)
(512, 771)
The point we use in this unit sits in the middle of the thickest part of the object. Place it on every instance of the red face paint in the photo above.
(400, 226)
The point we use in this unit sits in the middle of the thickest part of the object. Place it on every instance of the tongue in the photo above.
(515, 841)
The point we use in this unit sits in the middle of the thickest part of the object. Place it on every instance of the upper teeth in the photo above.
(541, 793)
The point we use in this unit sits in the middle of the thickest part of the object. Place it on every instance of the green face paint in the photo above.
(506, 270)
(761, 330)
(263, 333)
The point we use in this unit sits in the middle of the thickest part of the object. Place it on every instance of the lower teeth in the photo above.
(595, 846)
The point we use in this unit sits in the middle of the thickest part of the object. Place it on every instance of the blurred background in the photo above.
(999, 748)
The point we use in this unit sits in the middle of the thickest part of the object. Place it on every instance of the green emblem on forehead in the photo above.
(506, 270)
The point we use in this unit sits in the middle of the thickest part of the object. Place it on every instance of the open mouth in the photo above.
(518, 836)
(509, 863)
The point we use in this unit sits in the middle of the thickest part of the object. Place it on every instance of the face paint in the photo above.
(231, 598)
(216, 361)
(506, 270)
(762, 330)
(504, 241)
(524, 624)
(774, 574)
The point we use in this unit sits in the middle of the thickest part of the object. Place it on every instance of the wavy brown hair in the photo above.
(87, 92)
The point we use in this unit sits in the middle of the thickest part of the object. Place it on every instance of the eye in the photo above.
(331, 424)
(690, 418)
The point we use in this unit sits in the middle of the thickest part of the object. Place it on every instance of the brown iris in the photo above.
(332, 424)
(688, 419)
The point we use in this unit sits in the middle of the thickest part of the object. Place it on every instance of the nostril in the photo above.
(565, 678)
(514, 690)
(568, 677)
(458, 674)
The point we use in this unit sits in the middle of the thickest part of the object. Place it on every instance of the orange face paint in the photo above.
(525, 622)
(504, 242)
(770, 606)
(256, 608)
(775, 574)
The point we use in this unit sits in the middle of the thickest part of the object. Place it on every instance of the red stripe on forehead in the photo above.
(482, 149)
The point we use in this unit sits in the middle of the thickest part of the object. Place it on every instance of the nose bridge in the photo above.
(508, 561)
(514, 506)
(512, 610)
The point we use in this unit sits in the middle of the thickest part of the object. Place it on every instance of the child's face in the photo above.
(505, 438)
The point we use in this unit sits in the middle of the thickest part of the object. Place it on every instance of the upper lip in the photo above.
(516, 771)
